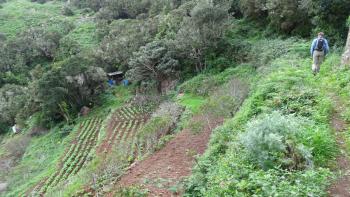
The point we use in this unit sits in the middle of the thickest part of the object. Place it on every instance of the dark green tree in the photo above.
(153, 62)
(70, 85)
(201, 33)
(12, 100)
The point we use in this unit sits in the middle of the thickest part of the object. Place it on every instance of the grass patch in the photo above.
(17, 15)
(85, 35)
(192, 102)
(39, 161)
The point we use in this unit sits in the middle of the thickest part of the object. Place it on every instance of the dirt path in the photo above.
(164, 170)
(341, 188)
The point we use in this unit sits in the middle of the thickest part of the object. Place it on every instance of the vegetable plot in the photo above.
(75, 157)
(122, 129)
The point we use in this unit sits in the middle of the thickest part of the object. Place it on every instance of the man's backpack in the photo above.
(320, 44)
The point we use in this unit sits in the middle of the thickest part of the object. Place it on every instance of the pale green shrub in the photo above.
(272, 142)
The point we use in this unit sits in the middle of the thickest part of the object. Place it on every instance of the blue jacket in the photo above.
(314, 44)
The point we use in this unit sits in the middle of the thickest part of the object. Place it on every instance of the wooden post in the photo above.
(345, 60)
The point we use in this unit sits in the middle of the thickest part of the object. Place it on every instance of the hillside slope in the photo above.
(228, 168)
(212, 98)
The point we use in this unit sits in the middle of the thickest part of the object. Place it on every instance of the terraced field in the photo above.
(122, 130)
(121, 135)
(74, 158)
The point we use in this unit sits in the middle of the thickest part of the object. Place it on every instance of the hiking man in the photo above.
(319, 50)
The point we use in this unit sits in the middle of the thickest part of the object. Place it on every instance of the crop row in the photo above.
(124, 132)
(129, 113)
(75, 156)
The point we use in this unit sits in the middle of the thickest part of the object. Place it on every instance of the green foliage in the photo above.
(29, 50)
(72, 83)
(12, 99)
(153, 62)
(17, 15)
(234, 165)
(162, 123)
(236, 178)
(133, 191)
(51, 64)
(204, 84)
(201, 34)
(272, 142)
(128, 35)
(42, 153)
(264, 51)
(226, 100)
(191, 102)
(67, 11)
(300, 17)
(68, 47)
(84, 35)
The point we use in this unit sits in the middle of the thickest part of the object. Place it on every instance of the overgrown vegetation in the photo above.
(206, 56)
(275, 154)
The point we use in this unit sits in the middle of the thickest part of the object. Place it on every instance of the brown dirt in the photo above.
(169, 166)
(341, 188)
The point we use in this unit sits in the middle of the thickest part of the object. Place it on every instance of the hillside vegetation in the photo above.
(243, 62)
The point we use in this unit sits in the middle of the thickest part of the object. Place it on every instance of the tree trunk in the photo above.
(346, 55)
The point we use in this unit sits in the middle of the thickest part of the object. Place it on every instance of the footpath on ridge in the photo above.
(341, 187)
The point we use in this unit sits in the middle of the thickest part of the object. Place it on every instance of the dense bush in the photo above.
(16, 146)
(36, 45)
(153, 63)
(263, 51)
(300, 17)
(12, 100)
(67, 11)
(71, 85)
(128, 35)
(272, 142)
(201, 34)
(204, 84)
(162, 122)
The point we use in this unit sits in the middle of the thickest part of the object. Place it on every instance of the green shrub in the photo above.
(263, 52)
(272, 142)
(321, 142)
(133, 191)
(162, 122)
(237, 178)
(66, 11)
(225, 101)
(16, 146)
(203, 84)
(196, 126)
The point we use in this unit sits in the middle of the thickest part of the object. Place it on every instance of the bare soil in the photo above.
(166, 168)
(341, 188)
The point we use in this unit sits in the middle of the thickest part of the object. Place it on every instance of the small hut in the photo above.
(117, 76)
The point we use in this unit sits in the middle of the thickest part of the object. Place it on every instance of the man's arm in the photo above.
(313, 45)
